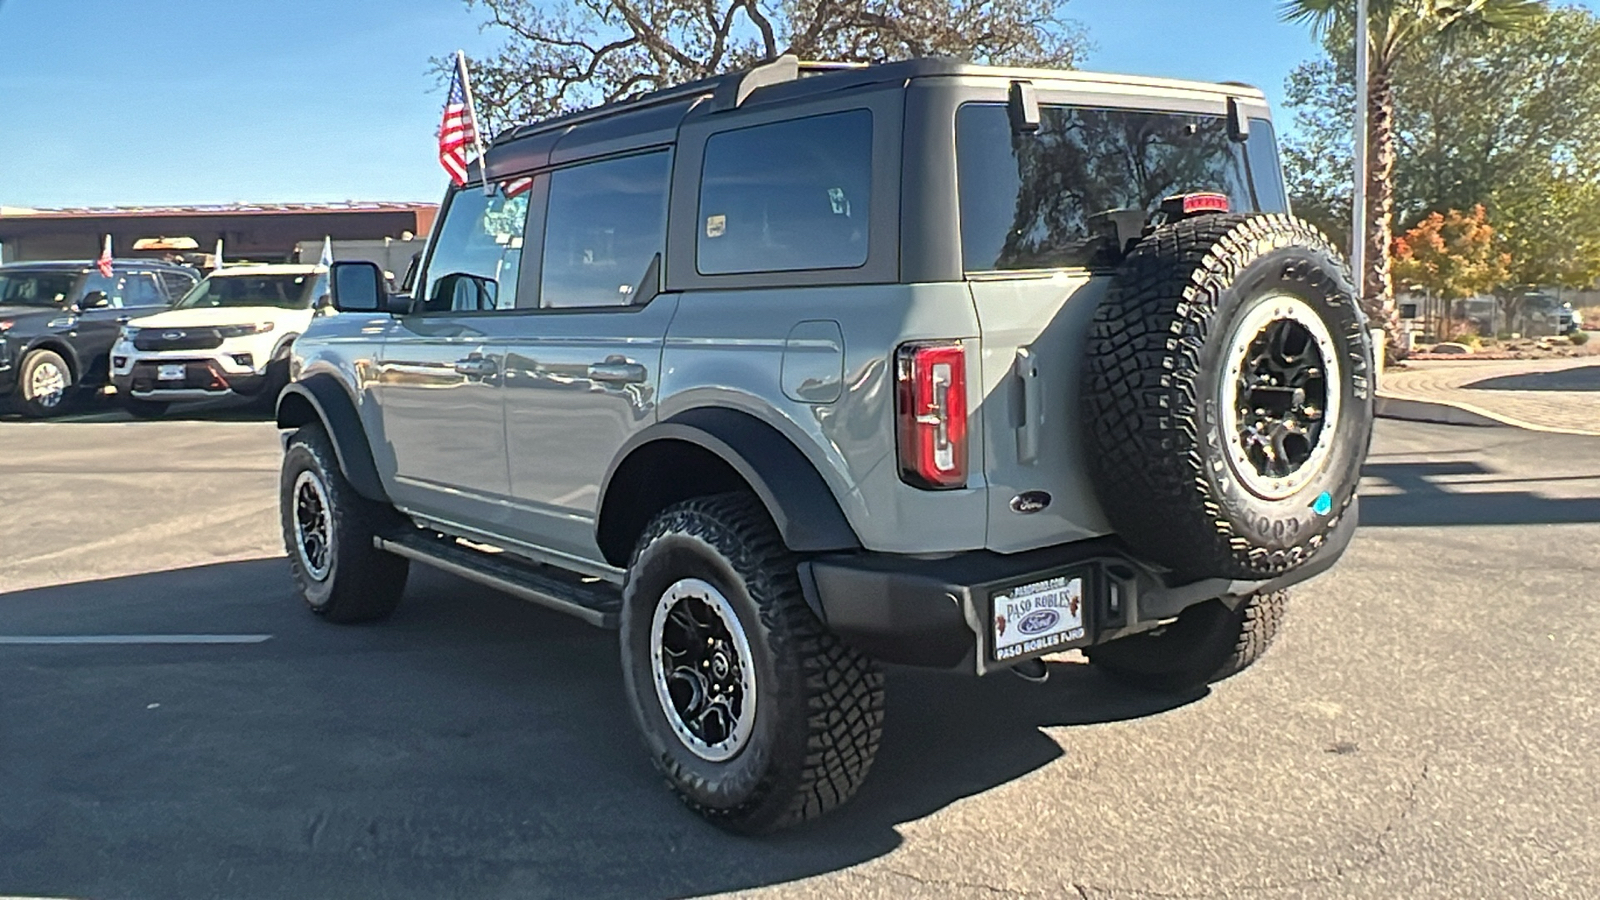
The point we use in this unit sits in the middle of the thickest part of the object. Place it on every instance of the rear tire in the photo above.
(328, 530)
(771, 720)
(44, 384)
(1207, 643)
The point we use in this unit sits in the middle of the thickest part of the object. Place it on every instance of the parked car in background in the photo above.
(58, 321)
(1568, 320)
(228, 337)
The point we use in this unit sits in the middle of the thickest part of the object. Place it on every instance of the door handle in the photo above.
(475, 367)
(123, 320)
(617, 373)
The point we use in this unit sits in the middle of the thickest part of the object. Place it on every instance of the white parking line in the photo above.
(134, 638)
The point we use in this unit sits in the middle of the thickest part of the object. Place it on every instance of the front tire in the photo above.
(758, 716)
(1207, 643)
(328, 530)
(44, 384)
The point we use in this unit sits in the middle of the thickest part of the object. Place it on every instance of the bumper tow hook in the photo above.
(1033, 670)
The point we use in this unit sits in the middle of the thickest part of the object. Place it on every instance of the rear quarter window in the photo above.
(787, 196)
(1034, 201)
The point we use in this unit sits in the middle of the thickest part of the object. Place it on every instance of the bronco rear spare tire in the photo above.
(1227, 396)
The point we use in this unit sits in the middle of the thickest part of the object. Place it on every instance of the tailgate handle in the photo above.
(1032, 405)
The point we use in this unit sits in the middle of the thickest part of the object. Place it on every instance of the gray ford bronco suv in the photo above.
(808, 368)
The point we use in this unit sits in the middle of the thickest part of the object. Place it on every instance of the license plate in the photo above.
(1034, 618)
(170, 372)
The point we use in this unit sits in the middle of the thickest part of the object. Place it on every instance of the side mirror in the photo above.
(357, 286)
(94, 300)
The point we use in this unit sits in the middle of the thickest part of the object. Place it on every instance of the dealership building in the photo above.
(266, 232)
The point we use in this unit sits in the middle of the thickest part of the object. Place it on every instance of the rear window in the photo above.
(787, 196)
(1034, 201)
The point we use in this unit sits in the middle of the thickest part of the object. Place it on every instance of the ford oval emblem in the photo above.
(171, 335)
(1029, 502)
(1039, 621)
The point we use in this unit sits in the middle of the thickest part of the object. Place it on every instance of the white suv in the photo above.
(229, 336)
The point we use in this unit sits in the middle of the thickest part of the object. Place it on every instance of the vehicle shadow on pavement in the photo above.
(1422, 500)
(100, 408)
(1582, 378)
(472, 745)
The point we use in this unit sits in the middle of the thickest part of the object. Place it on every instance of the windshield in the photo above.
(289, 291)
(36, 288)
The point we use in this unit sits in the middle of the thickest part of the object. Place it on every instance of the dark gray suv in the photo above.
(803, 369)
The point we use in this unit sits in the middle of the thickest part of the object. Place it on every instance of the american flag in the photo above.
(104, 262)
(457, 131)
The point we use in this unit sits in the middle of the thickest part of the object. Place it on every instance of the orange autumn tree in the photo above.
(1452, 256)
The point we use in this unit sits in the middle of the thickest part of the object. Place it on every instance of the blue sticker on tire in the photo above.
(1323, 504)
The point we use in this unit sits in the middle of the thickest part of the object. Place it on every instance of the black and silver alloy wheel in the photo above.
(1278, 409)
(713, 617)
(313, 525)
(47, 384)
(703, 670)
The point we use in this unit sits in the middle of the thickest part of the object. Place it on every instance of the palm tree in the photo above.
(1395, 27)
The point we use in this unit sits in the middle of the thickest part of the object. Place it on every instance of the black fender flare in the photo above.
(321, 398)
(794, 493)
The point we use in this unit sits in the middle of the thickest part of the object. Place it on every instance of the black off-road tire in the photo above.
(145, 409)
(358, 582)
(819, 704)
(36, 407)
(1155, 374)
(1207, 643)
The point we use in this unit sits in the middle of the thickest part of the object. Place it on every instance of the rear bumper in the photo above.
(936, 612)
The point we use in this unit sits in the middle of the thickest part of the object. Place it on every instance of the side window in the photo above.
(96, 291)
(177, 285)
(478, 252)
(1043, 200)
(787, 196)
(1266, 171)
(140, 289)
(607, 221)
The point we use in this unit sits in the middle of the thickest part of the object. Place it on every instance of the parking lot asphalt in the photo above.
(1425, 727)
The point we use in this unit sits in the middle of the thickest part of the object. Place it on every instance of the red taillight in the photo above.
(931, 409)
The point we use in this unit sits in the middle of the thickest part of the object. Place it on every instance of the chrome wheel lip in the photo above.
(1269, 309)
(47, 385)
(744, 724)
(313, 525)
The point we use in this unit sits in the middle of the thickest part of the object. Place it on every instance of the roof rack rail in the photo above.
(828, 65)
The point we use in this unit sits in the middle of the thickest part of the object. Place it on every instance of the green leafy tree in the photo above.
(1509, 118)
(1397, 28)
(558, 57)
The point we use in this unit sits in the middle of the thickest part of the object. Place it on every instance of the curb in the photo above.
(1445, 413)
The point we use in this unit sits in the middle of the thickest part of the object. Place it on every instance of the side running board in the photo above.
(597, 603)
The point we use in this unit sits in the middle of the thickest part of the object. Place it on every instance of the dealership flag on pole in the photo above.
(327, 252)
(216, 261)
(460, 126)
(104, 262)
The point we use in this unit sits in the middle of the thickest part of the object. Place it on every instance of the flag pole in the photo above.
(1358, 196)
(472, 112)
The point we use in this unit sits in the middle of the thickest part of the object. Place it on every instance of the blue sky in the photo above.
(110, 102)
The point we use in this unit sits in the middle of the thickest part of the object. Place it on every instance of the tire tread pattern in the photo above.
(842, 689)
(1142, 406)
